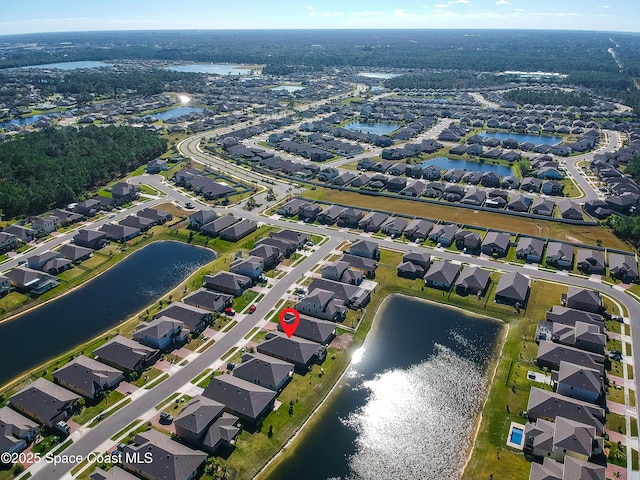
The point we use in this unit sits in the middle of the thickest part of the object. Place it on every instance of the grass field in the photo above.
(573, 233)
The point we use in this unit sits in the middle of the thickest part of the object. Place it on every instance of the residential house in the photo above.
(251, 267)
(512, 289)
(245, 400)
(474, 196)
(215, 227)
(583, 299)
(418, 229)
(316, 330)
(271, 256)
(468, 241)
(7, 242)
(550, 354)
(519, 203)
(623, 267)
(330, 215)
(88, 208)
(561, 438)
(372, 221)
(227, 282)
(119, 233)
(350, 217)
(322, 304)
(394, 226)
(238, 230)
(309, 212)
(340, 271)
(422, 259)
(141, 223)
(28, 280)
(530, 249)
(549, 405)
(573, 469)
(291, 208)
(157, 165)
(302, 353)
(208, 300)
(45, 225)
(45, 402)
(291, 236)
(5, 285)
(194, 319)
(352, 295)
(87, 377)
(366, 265)
(65, 217)
(285, 247)
(543, 206)
(570, 316)
(161, 333)
(496, 243)
(580, 382)
(203, 424)
(264, 370)
(590, 261)
(171, 460)
(441, 274)
(23, 234)
(75, 253)
(124, 192)
(396, 184)
(530, 184)
(570, 210)
(559, 255)
(365, 248)
(16, 431)
(114, 473)
(126, 354)
(92, 239)
(472, 281)
(443, 235)
(200, 218)
(552, 187)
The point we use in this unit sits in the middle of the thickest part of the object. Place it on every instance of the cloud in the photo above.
(441, 5)
(461, 1)
(332, 14)
(604, 6)
(366, 13)
(502, 2)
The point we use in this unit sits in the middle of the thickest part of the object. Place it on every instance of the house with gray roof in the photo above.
(16, 431)
(418, 229)
(322, 304)
(302, 353)
(286, 247)
(203, 424)
(421, 258)
(75, 253)
(623, 267)
(543, 206)
(474, 196)
(90, 239)
(365, 248)
(119, 233)
(550, 354)
(350, 217)
(372, 221)
(316, 330)
(251, 267)
(45, 402)
(443, 234)
(570, 210)
(576, 469)
(583, 299)
(585, 336)
(114, 473)
(472, 281)
(590, 261)
(290, 236)
(243, 399)
(227, 282)
(194, 319)
(570, 316)
(468, 241)
(216, 226)
(441, 274)
(171, 460)
(559, 255)
(354, 296)
(519, 203)
(330, 215)
(309, 212)
(341, 271)
(562, 438)
(548, 470)
(264, 370)
(530, 249)
(29, 280)
(271, 256)
(238, 230)
(126, 354)
(394, 226)
(208, 300)
(577, 381)
(549, 405)
(87, 377)
(158, 217)
(366, 265)
(410, 270)
(513, 288)
(141, 223)
(161, 333)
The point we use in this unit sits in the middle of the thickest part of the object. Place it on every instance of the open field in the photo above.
(559, 231)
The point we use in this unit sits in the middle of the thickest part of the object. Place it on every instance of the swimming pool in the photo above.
(516, 436)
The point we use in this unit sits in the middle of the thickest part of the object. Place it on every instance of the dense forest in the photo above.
(55, 167)
(626, 228)
(447, 80)
(568, 99)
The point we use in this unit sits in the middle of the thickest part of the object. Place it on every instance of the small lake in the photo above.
(24, 121)
(522, 138)
(407, 406)
(211, 69)
(56, 327)
(174, 113)
(372, 127)
(381, 75)
(70, 65)
(448, 163)
(288, 88)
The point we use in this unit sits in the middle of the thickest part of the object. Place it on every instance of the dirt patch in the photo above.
(342, 342)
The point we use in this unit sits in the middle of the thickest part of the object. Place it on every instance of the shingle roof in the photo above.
(294, 349)
(86, 375)
(43, 399)
(514, 286)
(239, 395)
(263, 370)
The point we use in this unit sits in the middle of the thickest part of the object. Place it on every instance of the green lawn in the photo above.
(93, 408)
(616, 423)
(243, 301)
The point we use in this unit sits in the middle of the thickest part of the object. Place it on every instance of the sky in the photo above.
(34, 16)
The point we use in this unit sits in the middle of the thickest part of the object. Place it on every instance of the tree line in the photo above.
(54, 167)
(567, 99)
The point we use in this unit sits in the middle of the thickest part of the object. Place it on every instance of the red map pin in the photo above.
(289, 319)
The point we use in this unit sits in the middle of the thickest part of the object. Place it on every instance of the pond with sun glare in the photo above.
(407, 406)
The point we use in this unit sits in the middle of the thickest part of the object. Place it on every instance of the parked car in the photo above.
(252, 309)
(166, 418)
(63, 427)
(229, 311)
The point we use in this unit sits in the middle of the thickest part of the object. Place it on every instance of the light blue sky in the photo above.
(28, 16)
